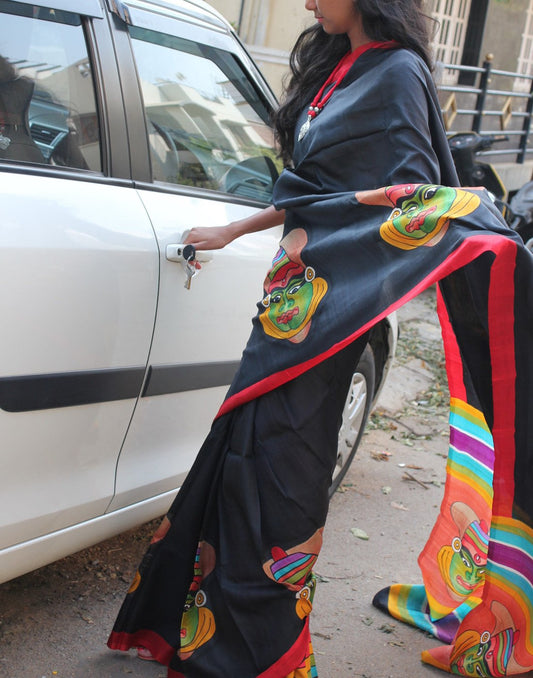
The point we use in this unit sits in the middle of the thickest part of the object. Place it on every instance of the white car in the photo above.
(122, 125)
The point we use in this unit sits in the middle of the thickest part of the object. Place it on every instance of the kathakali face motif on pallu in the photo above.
(293, 569)
(293, 291)
(462, 563)
(421, 213)
(198, 622)
(490, 652)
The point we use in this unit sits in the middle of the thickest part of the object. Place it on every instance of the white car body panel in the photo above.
(78, 273)
(34, 553)
(208, 323)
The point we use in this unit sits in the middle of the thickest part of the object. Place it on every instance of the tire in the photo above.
(354, 415)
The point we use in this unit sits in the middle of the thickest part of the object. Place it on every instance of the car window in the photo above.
(48, 109)
(207, 125)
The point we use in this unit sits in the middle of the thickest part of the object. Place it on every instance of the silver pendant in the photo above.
(304, 128)
(4, 142)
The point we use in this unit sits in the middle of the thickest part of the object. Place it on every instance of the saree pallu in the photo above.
(226, 586)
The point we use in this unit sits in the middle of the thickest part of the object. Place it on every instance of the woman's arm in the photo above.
(217, 237)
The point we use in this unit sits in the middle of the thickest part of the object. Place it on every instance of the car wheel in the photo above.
(354, 415)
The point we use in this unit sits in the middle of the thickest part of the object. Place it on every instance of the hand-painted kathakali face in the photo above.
(197, 624)
(293, 569)
(467, 564)
(462, 565)
(489, 653)
(423, 212)
(292, 292)
(197, 621)
(288, 304)
(482, 658)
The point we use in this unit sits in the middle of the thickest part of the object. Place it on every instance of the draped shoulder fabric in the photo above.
(382, 126)
(373, 218)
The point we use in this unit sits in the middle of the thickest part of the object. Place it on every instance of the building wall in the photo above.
(228, 8)
(272, 23)
(503, 32)
(269, 29)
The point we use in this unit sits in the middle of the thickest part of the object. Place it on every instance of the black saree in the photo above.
(226, 586)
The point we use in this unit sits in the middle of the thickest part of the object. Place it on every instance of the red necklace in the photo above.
(335, 80)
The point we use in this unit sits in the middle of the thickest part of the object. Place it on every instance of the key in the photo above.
(190, 272)
(191, 265)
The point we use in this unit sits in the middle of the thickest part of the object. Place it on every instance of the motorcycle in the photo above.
(518, 212)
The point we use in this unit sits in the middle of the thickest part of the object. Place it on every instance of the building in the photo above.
(467, 30)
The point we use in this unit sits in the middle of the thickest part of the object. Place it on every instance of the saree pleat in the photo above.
(257, 500)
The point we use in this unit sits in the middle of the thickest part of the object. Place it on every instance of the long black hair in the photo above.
(316, 54)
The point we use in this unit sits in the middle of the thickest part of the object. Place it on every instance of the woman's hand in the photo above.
(209, 237)
(217, 237)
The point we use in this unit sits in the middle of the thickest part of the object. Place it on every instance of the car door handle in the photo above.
(175, 252)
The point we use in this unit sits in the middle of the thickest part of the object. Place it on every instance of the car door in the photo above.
(212, 162)
(78, 269)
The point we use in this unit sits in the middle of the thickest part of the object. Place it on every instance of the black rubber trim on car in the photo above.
(46, 391)
(177, 378)
(74, 174)
(67, 389)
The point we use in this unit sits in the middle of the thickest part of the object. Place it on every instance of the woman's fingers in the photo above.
(206, 238)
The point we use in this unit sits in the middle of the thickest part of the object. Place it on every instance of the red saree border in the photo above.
(501, 318)
(473, 247)
(287, 663)
(454, 363)
(161, 651)
(501, 322)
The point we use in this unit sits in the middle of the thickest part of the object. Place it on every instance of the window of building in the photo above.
(48, 109)
(450, 32)
(525, 60)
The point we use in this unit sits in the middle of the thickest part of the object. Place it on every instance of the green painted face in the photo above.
(472, 663)
(465, 575)
(420, 213)
(289, 305)
(189, 623)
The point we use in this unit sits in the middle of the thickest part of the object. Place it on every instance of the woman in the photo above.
(342, 26)
(226, 588)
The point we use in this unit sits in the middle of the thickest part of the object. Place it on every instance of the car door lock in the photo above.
(189, 258)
